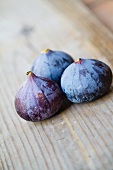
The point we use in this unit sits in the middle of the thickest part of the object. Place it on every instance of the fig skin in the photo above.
(51, 64)
(38, 98)
(86, 80)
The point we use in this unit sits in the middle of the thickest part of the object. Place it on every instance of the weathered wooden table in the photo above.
(80, 137)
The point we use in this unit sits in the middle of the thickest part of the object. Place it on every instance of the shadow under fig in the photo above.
(66, 104)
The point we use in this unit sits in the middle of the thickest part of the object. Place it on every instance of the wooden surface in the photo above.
(80, 136)
(103, 9)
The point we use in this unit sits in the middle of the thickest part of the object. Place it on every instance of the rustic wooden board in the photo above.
(80, 136)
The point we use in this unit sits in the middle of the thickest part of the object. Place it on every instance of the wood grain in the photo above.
(103, 9)
(80, 136)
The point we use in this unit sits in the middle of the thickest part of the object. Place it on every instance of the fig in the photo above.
(38, 98)
(51, 64)
(86, 80)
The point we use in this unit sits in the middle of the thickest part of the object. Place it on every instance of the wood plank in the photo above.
(80, 136)
(94, 3)
(105, 13)
(103, 10)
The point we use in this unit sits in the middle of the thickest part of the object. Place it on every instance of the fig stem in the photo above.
(45, 50)
(79, 61)
(28, 73)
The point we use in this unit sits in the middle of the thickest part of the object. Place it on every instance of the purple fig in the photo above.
(38, 98)
(86, 80)
(51, 64)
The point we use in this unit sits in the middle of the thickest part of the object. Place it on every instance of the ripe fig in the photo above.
(51, 64)
(38, 98)
(86, 80)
